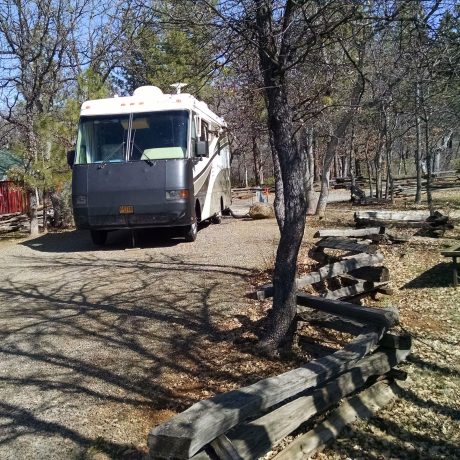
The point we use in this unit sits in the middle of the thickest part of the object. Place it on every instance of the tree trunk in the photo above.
(293, 171)
(331, 149)
(257, 158)
(389, 157)
(311, 199)
(345, 166)
(33, 213)
(429, 195)
(378, 163)
(317, 169)
(45, 212)
(418, 159)
(279, 189)
(352, 161)
(369, 167)
(291, 174)
(32, 147)
(324, 194)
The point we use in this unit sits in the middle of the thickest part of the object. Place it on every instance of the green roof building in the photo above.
(7, 160)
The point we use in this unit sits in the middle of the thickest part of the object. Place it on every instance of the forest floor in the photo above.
(98, 346)
(425, 421)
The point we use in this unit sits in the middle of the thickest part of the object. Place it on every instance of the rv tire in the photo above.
(99, 237)
(216, 218)
(190, 232)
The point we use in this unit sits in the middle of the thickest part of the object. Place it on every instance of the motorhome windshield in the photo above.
(132, 137)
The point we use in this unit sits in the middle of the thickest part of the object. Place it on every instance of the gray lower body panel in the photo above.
(169, 215)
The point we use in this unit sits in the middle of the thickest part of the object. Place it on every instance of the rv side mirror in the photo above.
(71, 158)
(202, 149)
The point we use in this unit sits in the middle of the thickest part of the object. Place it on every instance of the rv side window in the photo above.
(204, 131)
(194, 135)
(203, 137)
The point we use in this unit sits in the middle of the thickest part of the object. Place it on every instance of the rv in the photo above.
(149, 160)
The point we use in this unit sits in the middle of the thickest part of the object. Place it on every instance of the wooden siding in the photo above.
(13, 199)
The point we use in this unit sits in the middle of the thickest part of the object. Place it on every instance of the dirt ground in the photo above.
(100, 345)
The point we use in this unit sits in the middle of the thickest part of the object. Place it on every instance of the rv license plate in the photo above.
(126, 210)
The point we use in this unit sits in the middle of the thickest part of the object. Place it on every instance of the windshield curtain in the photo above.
(132, 137)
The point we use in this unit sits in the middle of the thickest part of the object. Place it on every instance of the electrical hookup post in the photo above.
(262, 195)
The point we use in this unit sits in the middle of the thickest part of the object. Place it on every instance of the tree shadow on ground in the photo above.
(434, 367)
(122, 341)
(119, 336)
(439, 275)
(80, 241)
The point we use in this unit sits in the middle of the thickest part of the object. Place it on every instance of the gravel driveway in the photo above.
(94, 341)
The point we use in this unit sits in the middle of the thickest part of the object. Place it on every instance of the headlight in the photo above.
(177, 194)
(80, 200)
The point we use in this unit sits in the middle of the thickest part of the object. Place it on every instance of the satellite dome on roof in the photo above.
(148, 91)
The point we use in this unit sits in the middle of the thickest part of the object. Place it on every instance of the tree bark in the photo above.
(279, 189)
(257, 159)
(311, 199)
(378, 163)
(331, 149)
(33, 213)
(429, 166)
(418, 159)
(389, 157)
(291, 174)
(32, 146)
(352, 161)
(369, 167)
(324, 193)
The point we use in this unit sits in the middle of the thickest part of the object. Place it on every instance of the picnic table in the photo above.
(453, 252)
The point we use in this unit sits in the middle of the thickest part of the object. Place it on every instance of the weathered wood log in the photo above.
(393, 223)
(377, 274)
(224, 448)
(329, 321)
(186, 433)
(409, 216)
(10, 215)
(353, 232)
(9, 228)
(397, 237)
(363, 405)
(401, 341)
(328, 271)
(387, 317)
(410, 219)
(15, 222)
(337, 268)
(346, 245)
(361, 287)
(253, 439)
(383, 289)
(398, 374)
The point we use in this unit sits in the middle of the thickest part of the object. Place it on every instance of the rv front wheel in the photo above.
(191, 232)
(216, 218)
(99, 237)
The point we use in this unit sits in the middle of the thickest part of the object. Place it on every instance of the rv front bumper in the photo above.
(170, 215)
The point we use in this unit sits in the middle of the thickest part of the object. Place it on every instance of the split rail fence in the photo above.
(246, 423)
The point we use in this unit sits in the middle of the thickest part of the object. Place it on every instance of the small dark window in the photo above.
(204, 131)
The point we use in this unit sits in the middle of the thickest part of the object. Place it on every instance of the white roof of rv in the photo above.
(149, 99)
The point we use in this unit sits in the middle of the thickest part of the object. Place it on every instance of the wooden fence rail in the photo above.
(245, 423)
(241, 424)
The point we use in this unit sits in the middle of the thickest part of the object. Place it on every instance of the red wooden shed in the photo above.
(12, 198)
